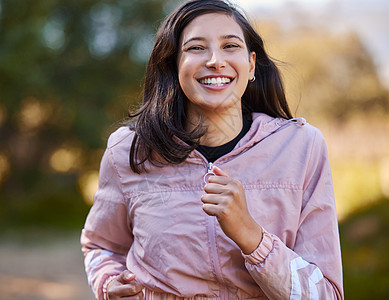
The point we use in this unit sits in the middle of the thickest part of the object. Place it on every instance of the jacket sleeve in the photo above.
(106, 237)
(312, 269)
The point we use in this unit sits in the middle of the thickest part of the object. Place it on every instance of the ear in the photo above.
(252, 59)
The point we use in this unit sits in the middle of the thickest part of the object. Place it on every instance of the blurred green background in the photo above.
(71, 70)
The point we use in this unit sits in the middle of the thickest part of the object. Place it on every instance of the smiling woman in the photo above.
(166, 106)
(201, 197)
(214, 68)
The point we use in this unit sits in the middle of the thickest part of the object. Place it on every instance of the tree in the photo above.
(327, 75)
(68, 71)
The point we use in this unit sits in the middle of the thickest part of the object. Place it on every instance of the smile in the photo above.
(215, 81)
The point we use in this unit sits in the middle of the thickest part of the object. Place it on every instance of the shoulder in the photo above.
(309, 140)
(293, 133)
(117, 151)
(119, 145)
(122, 136)
(307, 131)
(299, 135)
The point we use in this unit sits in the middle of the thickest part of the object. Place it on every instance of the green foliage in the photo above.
(362, 176)
(365, 247)
(34, 203)
(327, 75)
(68, 71)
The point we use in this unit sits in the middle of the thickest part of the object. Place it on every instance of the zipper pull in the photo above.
(209, 172)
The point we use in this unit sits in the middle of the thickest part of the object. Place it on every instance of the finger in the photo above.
(210, 199)
(219, 172)
(215, 188)
(210, 209)
(126, 290)
(219, 179)
(138, 296)
(125, 277)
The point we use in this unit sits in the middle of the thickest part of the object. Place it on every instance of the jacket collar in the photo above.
(262, 126)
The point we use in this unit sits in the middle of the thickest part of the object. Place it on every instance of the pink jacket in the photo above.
(153, 224)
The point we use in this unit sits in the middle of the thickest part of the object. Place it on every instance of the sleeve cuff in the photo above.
(106, 283)
(263, 250)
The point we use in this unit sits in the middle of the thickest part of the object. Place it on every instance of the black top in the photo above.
(213, 153)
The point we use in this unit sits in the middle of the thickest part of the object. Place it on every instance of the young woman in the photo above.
(214, 191)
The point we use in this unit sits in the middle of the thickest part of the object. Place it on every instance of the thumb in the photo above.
(125, 277)
(219, 172)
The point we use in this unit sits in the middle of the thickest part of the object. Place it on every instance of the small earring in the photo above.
(252, 79)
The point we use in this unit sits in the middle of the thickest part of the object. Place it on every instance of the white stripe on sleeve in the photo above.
(295, 293)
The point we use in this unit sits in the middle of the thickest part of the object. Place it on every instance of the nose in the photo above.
(216, 60)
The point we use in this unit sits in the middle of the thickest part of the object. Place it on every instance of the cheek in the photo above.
(183, 72)
(244, 67)
(183, 80)
(186, 75)
(244, 75)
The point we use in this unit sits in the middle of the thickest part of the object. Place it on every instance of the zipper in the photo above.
(212, 236)
(209, 172)
(215, 260)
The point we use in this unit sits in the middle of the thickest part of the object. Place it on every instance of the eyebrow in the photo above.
(224, 37)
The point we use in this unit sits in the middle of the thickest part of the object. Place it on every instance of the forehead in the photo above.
(212, 25)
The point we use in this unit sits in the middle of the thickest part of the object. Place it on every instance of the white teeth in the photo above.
(218, 81)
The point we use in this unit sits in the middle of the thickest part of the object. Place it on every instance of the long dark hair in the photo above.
(160, 123)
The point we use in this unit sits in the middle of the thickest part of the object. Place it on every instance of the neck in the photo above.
(222, 127)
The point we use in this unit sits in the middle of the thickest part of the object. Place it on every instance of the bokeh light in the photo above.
(65, 159)
(88, 183)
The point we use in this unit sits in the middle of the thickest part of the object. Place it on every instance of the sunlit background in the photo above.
(71, 70)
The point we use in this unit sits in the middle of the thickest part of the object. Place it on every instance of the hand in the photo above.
(226, 200)
(124, 287)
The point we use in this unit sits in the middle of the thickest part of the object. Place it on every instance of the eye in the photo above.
(195, 48)
(231, 46)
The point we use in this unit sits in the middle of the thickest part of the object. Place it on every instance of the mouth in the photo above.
(215, 81)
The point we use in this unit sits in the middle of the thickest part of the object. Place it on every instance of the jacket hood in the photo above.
(263, 126)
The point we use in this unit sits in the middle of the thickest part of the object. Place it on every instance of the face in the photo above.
(214, 63)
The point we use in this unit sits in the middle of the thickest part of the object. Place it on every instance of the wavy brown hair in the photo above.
(159, 125)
